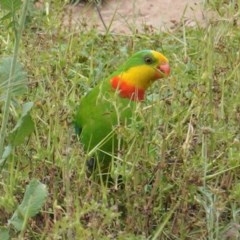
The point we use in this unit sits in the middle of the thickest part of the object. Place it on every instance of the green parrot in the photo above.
(112, 103)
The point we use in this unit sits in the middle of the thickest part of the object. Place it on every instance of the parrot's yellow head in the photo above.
(139, 72)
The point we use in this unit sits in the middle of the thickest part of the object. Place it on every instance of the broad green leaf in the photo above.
(24, 126)
(4, 233)
(10, 5)
(19, 81)
(33, 200)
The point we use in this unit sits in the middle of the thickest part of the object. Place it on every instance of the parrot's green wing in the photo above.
(98, 116)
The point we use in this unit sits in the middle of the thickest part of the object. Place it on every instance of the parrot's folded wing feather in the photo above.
(78, 129)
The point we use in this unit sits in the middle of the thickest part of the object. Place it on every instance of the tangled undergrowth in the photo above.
(184, 180)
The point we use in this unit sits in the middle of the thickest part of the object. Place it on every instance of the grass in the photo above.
(182, 176)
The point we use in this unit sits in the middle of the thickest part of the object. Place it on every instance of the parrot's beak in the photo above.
(164, 68)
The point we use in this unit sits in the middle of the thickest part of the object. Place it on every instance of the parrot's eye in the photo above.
(148, 60)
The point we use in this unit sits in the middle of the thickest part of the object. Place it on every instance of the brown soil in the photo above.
(124, 16)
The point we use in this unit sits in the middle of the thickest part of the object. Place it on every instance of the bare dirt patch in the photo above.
(125, 16)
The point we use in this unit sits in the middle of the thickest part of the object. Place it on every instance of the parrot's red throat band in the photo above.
(126, 90)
